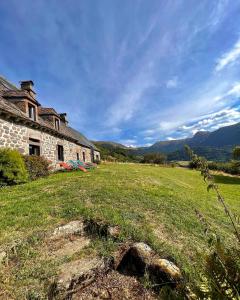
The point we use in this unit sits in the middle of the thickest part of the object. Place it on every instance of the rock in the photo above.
(142, 251)
(69, 247)
(3, 255)
(167, 267)
(114, 232)
(135, 260)
(74, 227)
(78, 274)
(139, 258)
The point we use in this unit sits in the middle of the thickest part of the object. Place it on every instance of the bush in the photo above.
(232, 167)
(37, 166)
(97, 161)
(236, 153)
(154, 158)
(12, 167)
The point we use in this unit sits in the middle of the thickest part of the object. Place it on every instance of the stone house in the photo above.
(32, 129)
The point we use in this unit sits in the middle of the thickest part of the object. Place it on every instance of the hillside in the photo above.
(109, 145)
(112, 151)
(225, 137)
(216, 145)
(146, 202)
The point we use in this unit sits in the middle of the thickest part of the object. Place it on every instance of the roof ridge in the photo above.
(66, 131)
(7, 84)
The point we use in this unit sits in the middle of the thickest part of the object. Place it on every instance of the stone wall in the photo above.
(97, 155)
(13, 136)
(16, 136)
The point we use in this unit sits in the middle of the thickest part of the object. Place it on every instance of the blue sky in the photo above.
(128, 71)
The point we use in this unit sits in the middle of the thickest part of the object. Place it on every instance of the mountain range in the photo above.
(216, 145)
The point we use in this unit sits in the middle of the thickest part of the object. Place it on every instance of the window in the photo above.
(34, 147)
(32, 112)
(77, 156)
(97, 157)
(57, 124)
(84, 157)
(60, 153)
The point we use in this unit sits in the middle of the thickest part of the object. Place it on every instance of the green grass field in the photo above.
(150, 203)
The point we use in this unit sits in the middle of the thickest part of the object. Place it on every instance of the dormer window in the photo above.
(57, 124)
(31, 112)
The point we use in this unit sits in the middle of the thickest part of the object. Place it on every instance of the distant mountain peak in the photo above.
(201, 133)
(227, 136)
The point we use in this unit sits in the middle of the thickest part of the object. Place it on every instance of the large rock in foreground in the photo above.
(138, 259)
(80, 272)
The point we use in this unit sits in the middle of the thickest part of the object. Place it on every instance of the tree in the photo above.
(236, 152)
(154, 158)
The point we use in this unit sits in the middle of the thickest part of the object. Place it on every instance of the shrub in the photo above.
(12, 167)
(154, 158)
(232, 167)
(37, 166)
(97, 161)
(222, 262)
(236, 153)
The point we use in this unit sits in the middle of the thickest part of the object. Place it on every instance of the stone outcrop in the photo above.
(87, 276)
(138, 258)
(79, 273)
(3, 255)
(73, 227)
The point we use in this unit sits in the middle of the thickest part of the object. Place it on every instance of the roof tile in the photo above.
(7, 89)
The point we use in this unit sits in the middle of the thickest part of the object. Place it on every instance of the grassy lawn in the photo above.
(152, 204)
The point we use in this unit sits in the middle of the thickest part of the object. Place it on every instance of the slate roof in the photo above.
(7, 89)
(18, 94)
(47, 111)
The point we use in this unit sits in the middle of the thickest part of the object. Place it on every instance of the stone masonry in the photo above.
(32, 129)
(16, 136)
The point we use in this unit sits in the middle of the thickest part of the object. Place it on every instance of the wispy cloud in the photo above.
(229, 58)
(219, 12)
(213, 121)
(126, 105)
(172, 83)
(135, 71)
(224, 109)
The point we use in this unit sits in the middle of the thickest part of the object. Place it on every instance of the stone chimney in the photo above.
(63, 117)
(27, 85)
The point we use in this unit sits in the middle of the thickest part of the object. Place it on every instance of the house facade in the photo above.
(35, 130)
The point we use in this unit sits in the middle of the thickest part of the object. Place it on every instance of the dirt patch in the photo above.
(114, 285)
(67, 247)
(98, 228)
(118, 277)
(79, 272)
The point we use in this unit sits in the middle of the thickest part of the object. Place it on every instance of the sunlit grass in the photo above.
(150, 203)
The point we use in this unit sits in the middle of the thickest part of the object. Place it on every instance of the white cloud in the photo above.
(218, 14)
(123, 109)
(128, 142)
(148, 138)
(235, 90)
(172, 83)
(169, 138)
(229, 57)
(210, 122)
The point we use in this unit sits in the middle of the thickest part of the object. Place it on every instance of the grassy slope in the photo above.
(154, 204)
